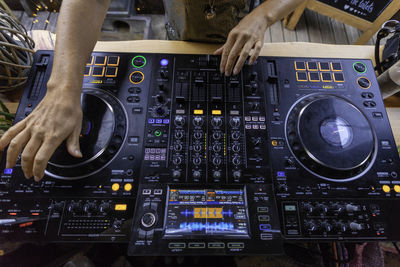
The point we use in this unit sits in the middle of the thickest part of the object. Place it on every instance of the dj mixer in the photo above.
(179, 159)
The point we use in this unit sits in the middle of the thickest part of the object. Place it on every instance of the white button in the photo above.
(247, 118)
(248, 126)
(261, 118)
(146, 192)
(263, 127)
(255, 127)
(254, 118)
(157, 191)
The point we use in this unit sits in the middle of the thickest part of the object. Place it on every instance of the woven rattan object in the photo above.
(16, 53)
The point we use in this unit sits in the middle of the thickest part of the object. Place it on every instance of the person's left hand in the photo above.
(247, 35)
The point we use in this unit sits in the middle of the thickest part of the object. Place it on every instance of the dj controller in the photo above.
(179, 159)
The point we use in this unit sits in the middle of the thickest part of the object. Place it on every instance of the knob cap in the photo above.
(217, 147)
(148, 219)
(197, 161)
(310, 226)
(89, 207)
(198, 135)
(178, 147)
(176, 174)
(340, 227)
(355, 226)
(236, 160)
(235, 122)
(217, 135)
(216, 121)
(198, 121)
(308, 207)
(326, 226)
(178, 134)
(160, 99)
(74, 207)
(237, 174)
(217, 174)
(235, 148)
(177, 160)
(322, 208)
(197, 148)
(104, 207)
(196, 174)
(235, 135)
(352, 208)
(179, 120)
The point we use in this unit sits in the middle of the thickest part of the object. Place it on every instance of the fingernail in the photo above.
(36, 178)
(235, 71)
(78, 153)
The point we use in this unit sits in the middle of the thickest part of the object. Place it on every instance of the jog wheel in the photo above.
(330, 137)
(104, 127)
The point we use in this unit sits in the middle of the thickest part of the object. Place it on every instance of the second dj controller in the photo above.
(179, 159)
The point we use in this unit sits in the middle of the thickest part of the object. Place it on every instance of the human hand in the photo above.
(57, 117)
(247, 35)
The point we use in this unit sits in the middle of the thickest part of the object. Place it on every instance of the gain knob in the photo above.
(179, 120)
(235, 122)
(217, 161)
(216, 121)
(197, 148)
(326, 226)
(178, 135)
(177, 160)
(217, 174)
(176, 174)
(235, 135)
(217, 148)
(198, 135)
(216, 135)
(355, 226)
(196, 174)
(177, 147)
(236, 160)
(198, 121)
(148, 220)
(104, 207)
(237, 175)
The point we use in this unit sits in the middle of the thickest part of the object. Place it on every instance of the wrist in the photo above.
(65, 88)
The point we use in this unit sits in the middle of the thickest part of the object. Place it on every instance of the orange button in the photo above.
(120, 207)
(397, 188)
(274, 143)
(128, 187)
(386, 188)
(115, 187)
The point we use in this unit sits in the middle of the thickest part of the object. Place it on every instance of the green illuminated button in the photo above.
(139, 61)
(157, 132)
(359, 67)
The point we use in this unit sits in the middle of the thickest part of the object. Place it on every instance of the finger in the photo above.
(11, 133)
(42, 157)
(73, 143)
(28, 155)
(233, 56)
(243, 56)
(16, 145)
(219, 51)
(256, 52)
(225, 53)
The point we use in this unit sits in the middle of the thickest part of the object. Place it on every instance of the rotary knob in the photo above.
(198, 121)
(176, 174)
(217, 147)
(237, 174)
(89, 207)
(338, 207)
(74, 207)
(198, 135)
(308, 208)
(177, 160)
(283, 188)
(197, 148)
(164, 74)
(253, 76)
(196, 174)
(217, 174)
(178, 147)
(310, 226)
(236, 160)
(326, 226)
(322, 208)
(178, 135)
(253, 87)
(352, 208)
(235, 148)
(235, 135)
(104, 207)
(340, 227)
(216, 121)
(197, 161)
(179, 120)
(217, 161)
(235, 122)
(160, 99)
(148, 219)
(355, 226)
(216, 135)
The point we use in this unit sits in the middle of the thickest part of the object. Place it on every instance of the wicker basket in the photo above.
(16, 53)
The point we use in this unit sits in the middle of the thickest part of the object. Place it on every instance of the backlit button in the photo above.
(138, 61)
(120, 207)
(312, 66)
(397, 188)
(136, 77)
(87, 71)
(216, 245)
(100, 60)
(299, 65)
(113, 61)
(115, 187)
(196, 245)
(128, 187)
(324, 66)
(338, 77)
(146, 191)
(364, 83)
(336, 66)
(313, 76)
(326, 76)
(386, 188)
(111, 72)
(90, 61)
(157, 191)
(176, 245)
(235, 245)
(98, 71)
(359, 67)
(262, 209)
(301, 76)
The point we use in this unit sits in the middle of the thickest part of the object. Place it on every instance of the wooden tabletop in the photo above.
(46, 40)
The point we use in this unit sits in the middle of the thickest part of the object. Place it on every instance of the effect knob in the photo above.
(179, 120)
(89, 207)
(176, 174)
(237, 174)
(196, 174)
(235, 122)
(216, 121)
(148, 219)
(217, 174)
(352, 208)
(355, 226)
(217, 147)
(308, 208)
(104, 207)
(326, 226)
(198, 121)
(236, 160)
(217, 161)
(340, 227)
(310, 226)
(322, 208)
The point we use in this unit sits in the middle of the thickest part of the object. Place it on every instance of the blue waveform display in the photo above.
(198, 226)
(186, 213)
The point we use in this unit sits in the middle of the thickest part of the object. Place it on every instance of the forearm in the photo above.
(79, 26)
(273, 10)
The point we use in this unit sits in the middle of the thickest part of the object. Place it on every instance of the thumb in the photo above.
(73, 143)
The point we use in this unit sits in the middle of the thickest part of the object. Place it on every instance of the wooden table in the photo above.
(46, 40)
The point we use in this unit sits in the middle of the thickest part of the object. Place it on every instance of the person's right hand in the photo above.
(57, 117)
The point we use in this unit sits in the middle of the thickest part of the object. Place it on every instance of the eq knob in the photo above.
(235, 122)
(148, 220)
(89, 207)
(355, 226)
(197, 148)
(160, 111)
(308, 208)
(253, 76)
(196, 174)
(176, 174)
(237, 174)
(198, 135)
(178, 147)
(235, 148)
(75, 207)
(216, 121)
(160, 99)
(104, 207)
(216, 135)
(322, 208)
(236, 160)
(340, 227)
(164, 74)
(235, 135)
(179, 120)
(310, 226)
(217, 174)
(217, 161)
(178, 135)
(198, 121)
(255, 106)
(177, 160)
(326, 226)
(337, 207)
(217, 148)
(197, 161)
